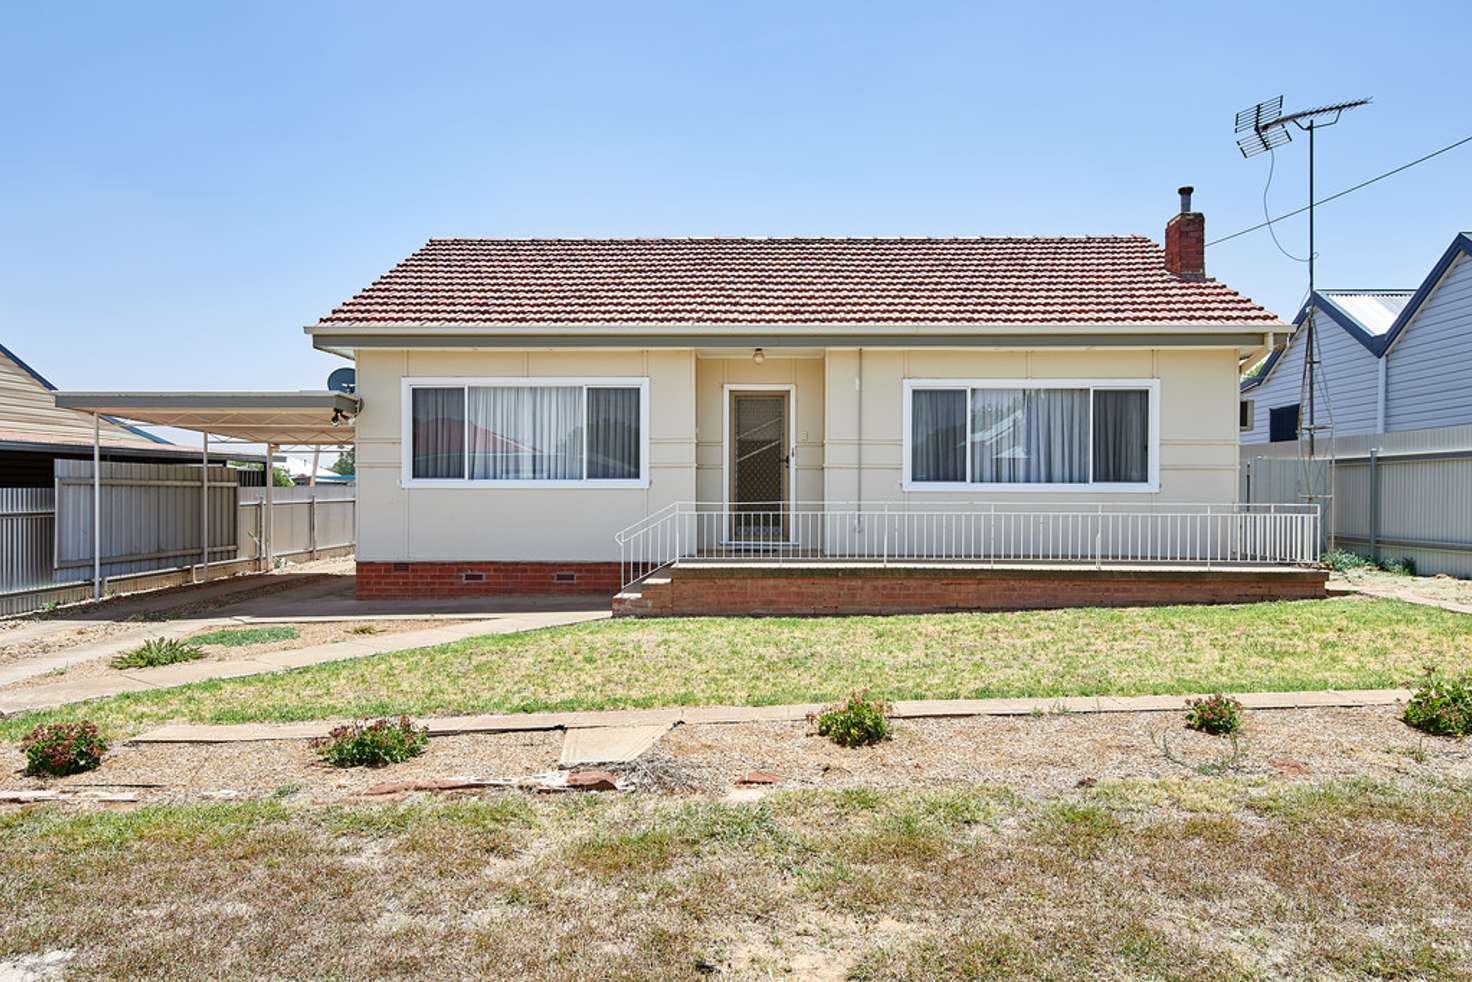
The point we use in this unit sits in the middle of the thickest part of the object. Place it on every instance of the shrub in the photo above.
(1441, 705)
(1216, 714)
(156, 652)
(1404, 566)
(374, 744)
(238, 636)
(59, 749)
(1341, 561)
(856, 723)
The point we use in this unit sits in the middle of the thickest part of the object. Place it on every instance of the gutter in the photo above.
(788, 330)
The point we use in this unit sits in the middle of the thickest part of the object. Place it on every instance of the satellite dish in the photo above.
(343, 380)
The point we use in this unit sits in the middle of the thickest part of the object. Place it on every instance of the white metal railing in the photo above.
(972, 532)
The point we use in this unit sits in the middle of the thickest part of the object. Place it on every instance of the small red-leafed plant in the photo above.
(1216, 714)
(1441, 705)
(59, 749)
(856, 723)
(372, 744)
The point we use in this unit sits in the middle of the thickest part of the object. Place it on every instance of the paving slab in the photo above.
(609, 744)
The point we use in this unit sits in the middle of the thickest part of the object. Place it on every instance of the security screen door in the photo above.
(758, 473)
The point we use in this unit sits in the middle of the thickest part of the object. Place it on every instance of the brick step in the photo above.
(649, 597)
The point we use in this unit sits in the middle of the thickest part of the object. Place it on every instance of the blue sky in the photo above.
(186, 187)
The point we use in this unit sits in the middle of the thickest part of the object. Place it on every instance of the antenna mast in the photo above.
(1266, 128)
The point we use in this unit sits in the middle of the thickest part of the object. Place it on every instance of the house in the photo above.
(1390, 360)
(759, 414)
(35, 432)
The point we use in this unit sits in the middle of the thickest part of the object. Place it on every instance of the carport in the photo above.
(276, 419)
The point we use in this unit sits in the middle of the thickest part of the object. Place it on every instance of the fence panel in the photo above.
(27, 524)
(150, 517)
(1412, 501)
(150, 523)
(308, 519)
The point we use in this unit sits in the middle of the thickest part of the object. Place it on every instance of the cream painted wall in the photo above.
(1198, 416)
(489, 523)
(712, 375)
(1198, 419)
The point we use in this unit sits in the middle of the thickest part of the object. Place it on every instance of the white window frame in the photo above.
(1251, 410)
(406, 417)
(1151, 385)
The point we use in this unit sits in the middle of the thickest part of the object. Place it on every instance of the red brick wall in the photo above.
(1185, 245)
(688, 593)
(380, 581)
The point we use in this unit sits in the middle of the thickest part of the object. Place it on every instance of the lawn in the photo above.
(1234, 880)
(1326, 644)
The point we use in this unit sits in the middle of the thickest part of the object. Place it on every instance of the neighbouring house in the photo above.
(811, 424)
(1390, 360)
(35, 432)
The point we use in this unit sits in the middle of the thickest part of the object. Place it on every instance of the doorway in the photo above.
(758, 456)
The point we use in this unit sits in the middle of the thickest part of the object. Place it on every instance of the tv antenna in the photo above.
(1264, 128)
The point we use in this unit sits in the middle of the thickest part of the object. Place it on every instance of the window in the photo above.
(545, 432)
(1030, 435)
(1246, 417)
(1283, 424)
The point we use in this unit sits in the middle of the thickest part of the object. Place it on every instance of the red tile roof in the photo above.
(1105, 279)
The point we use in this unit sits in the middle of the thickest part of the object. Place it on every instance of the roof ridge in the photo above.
(1131, 237)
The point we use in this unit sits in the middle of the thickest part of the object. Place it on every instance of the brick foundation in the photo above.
(696, 590)
(384, 581)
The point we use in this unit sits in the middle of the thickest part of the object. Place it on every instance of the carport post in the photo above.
(96, 507)
(266, 538)
(204, 509)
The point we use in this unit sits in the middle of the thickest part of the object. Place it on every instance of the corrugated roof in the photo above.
(1374, 311)
(793, 281)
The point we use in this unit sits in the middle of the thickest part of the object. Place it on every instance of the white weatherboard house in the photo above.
(811, 424)
(1391, 361)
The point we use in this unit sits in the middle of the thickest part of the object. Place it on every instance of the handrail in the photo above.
(1093, 533)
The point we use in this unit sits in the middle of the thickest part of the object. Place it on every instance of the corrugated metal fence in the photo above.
(1395, 495)
(150, 523)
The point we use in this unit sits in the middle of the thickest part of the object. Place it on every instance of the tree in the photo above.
(281, 479)
(346, 463)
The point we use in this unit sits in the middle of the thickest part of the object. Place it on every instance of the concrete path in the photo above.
(1409, 595)
(650, 719)
(34, 665)
(140, 680)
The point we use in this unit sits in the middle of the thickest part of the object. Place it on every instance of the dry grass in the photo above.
(1306, 880)
(1350, 643)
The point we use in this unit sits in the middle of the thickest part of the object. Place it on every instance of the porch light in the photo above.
(758, 356)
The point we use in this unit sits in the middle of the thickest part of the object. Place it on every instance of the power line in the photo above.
(1340, 194)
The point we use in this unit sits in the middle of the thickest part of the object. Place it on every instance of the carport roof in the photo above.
(284, 418)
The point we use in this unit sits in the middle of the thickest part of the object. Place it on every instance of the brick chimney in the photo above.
(1185, 241)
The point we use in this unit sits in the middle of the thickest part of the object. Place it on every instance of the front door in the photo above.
(759, 462)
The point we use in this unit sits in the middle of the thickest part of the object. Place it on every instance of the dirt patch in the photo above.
(1053, 753)
(1034, 756)
(288, 768)
(1438, 590)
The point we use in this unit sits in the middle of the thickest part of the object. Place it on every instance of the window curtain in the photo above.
(526, 433)
(938, 435)
(613, 434)
(1030, 436)
(438, 435)
(1122, 436)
